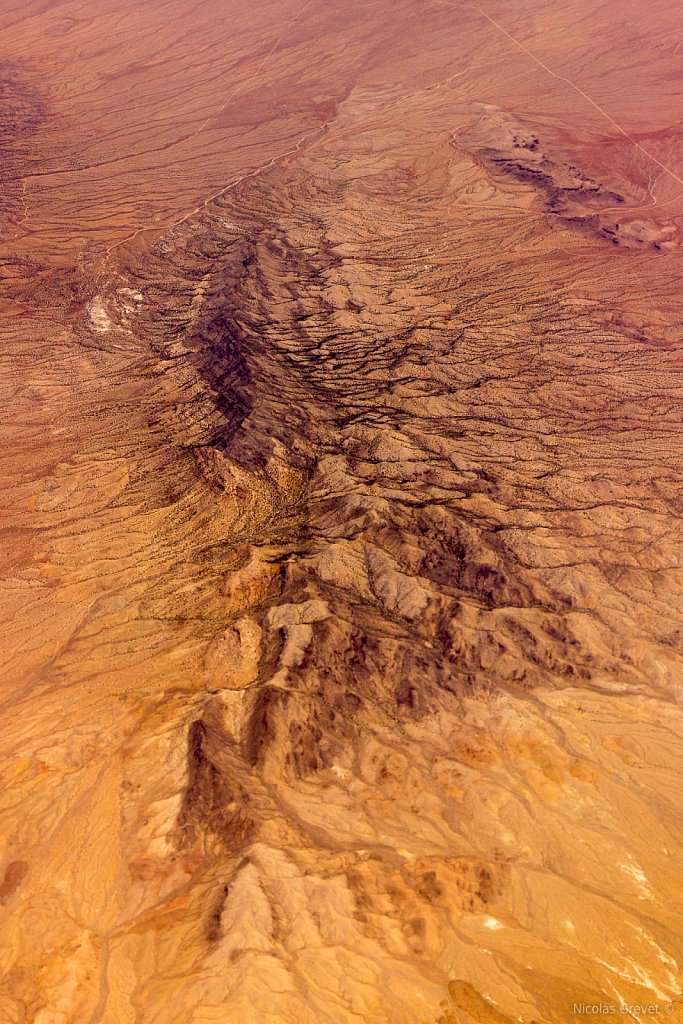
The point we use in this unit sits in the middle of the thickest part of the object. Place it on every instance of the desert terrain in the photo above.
(341, 450)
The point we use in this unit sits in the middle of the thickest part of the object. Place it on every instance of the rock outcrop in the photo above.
(342, 461)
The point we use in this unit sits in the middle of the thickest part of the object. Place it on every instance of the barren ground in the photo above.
(341, 461)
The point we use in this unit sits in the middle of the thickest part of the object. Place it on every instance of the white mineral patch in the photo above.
(100, 320)
(493, 924)
(638, 875)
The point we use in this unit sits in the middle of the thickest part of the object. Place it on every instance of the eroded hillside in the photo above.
(342, 462)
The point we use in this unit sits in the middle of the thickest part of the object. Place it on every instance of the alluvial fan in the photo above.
(342, 470)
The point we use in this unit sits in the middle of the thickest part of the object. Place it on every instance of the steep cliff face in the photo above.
(342, 460)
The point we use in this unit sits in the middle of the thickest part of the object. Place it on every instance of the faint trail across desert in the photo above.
(255, 173)
(580, 91)
(259, 170)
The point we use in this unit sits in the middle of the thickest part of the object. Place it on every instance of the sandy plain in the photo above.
(341, 459)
